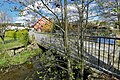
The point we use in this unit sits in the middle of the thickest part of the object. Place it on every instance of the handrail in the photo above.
(104, 37)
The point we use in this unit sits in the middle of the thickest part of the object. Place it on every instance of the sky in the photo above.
(6, 7)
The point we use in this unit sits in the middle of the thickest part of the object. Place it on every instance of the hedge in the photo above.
(16, 34)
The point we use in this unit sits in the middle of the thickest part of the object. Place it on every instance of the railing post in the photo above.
(113, 52)
(103, 49)
(99, 52)
(108, 52)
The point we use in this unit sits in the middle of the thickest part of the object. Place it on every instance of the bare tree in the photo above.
(4, 20)
(110, 11)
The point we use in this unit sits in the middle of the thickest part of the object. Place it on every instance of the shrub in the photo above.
(25, 39)
(10, 33)
(21, 33)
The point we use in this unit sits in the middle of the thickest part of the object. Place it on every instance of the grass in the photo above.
(3, 62)
(7, 39)
(10, 44)
(12, 40)
(6, 60)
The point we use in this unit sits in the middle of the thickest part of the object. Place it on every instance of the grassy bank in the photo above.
(7, 60)
(12, 40)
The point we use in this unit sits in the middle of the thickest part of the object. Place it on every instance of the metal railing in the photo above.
(102, 53)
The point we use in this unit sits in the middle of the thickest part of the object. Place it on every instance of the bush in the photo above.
(10, 33)
(25, 39)
(16, 34)
(21, 33)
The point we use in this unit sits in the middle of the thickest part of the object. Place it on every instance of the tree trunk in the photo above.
(119, 21)
(2, 38)
(81, 41)
(66, 42)
(118, 14)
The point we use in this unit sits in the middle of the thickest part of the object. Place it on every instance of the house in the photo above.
(43, 25)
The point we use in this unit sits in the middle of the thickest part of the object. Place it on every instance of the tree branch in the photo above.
(51, 11)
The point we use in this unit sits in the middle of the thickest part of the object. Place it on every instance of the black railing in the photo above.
(102, 53)
(105, 53)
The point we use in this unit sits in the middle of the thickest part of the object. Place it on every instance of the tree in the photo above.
(2, 32)
(4, 20)
(82, 10)
(110, 11)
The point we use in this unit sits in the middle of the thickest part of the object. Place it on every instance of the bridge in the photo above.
(102, 53)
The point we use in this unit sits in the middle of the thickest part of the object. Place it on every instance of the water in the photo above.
(107, 41)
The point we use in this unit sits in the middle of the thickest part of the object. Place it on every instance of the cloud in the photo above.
(93, 4)
(72, 11)
(23, 19)
(42, 9)
(38, 5)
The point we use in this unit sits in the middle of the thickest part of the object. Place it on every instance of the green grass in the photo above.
(6, 60)
(10, 45)
(3, 62)
(10, 42)
(6, 39)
